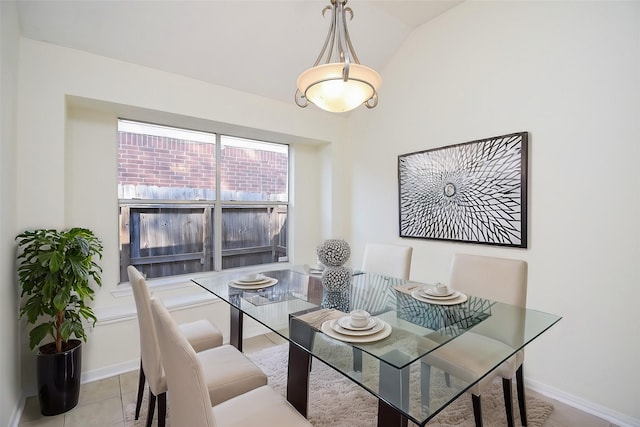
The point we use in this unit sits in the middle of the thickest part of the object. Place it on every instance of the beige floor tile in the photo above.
(31, 409)
(99, 414)
(130, 399)
(564, 415)
(129, 382)
(255, 343)
(97, 391)
(275, 338)
(55, 421)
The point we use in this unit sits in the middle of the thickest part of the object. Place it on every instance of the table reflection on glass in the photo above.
(297, 305)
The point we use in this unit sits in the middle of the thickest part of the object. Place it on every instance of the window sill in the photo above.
(122, 313)
(184, 281)
(162, 284)
(125, 312)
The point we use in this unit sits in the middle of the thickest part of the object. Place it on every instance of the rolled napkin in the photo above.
(315, 319)
(407, 288)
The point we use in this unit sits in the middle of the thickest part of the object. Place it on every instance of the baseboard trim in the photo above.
(14, 421)
(110, 371)
(583, 405)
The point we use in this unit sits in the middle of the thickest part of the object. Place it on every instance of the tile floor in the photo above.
(102, 403)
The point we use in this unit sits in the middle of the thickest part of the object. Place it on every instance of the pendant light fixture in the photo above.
(339, 84)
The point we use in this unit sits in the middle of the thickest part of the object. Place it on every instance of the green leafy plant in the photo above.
(54, 271)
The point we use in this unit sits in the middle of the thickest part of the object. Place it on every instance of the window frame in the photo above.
(217, 206)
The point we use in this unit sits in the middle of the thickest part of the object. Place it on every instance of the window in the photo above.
(194, 201)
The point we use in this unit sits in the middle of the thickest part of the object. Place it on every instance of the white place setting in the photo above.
(357, 327)
(253, 281)
(315, 269)
(439, 294)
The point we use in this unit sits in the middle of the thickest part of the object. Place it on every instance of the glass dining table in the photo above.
(294, 305)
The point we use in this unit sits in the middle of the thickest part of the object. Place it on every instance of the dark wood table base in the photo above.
(300, 366)
(235, 338)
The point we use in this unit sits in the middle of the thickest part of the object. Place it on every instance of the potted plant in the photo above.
(55, 269)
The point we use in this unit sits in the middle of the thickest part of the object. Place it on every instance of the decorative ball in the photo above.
(337, 300)
(336, 279)
(333, 252)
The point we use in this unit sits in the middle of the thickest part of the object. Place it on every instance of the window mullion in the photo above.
(217, 210)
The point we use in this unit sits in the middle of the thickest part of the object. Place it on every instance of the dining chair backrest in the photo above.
(388, 260)
(190, 402)
(149, 349)
(498, 279)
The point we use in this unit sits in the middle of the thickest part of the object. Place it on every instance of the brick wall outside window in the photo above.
(147, 160)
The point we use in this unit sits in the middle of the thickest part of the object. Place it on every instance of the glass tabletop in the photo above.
(295, 305)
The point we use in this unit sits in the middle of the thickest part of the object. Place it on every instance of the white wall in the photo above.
(565, 72)
(66, 165)
(9, 331)
(569, 73)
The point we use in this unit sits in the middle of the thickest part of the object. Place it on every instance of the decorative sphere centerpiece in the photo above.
(333, 253)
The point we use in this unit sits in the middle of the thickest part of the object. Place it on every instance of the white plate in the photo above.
(385, 332)
(260, 285)
(459, 299)
(345, 322)
(453, 295)
(430, 292)
(335, 325)
(261, 280)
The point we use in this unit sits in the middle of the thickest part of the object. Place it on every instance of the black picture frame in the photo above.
(473, 192)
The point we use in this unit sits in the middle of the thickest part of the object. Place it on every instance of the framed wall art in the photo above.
(474, 192)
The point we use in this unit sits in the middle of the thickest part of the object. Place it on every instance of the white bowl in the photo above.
(359, 318)
(252, 277)
(440, 289)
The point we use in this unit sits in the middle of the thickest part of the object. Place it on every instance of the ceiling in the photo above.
(257, 46)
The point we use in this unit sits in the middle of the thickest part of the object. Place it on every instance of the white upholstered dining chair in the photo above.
(238, 376)
(189, 398)
(388, 260)
(472, 354)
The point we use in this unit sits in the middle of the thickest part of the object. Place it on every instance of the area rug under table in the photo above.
(336, 401)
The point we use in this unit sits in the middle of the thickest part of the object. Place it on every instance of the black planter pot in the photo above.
(59, 379)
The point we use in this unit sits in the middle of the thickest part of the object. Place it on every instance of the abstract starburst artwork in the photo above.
(473, 192)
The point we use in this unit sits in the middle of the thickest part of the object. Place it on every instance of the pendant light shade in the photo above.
(341, 83)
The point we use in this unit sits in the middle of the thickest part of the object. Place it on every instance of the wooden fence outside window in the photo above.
(168, 239)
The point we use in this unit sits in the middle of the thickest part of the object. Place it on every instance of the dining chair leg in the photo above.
(521, 399)
(162, 409)
(152, 408)
(508, 400)
(141, 381)
(477, 410)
